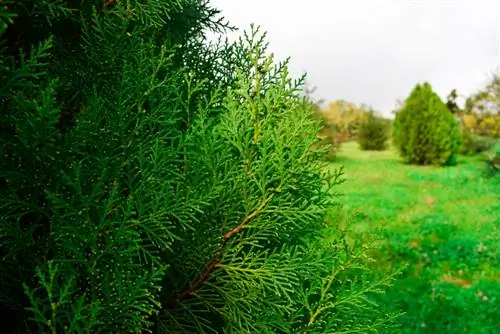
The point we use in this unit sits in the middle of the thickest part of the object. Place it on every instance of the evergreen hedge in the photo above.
(425, 131)
(150, 182)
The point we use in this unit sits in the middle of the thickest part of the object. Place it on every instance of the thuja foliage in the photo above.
(425, 131)
(373, 132)
(150, 182)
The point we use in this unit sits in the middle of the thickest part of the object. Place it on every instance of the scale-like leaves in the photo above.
(152, 182)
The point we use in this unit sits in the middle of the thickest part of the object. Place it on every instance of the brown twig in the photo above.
(214, 263)
(247, 219)
(106, 4)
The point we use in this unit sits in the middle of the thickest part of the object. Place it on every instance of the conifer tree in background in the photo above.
(425, 131)
(152, 183)
(373, 132)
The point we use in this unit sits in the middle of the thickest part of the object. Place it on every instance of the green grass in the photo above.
(442, 224)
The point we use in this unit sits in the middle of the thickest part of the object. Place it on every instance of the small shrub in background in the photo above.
(373, 132)
(473, 144)
(493, 159)
(425, 131)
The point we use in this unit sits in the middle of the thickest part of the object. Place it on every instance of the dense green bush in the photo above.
(493, 159)
(425, 131)
(373, 133)
(473, 144)
(151, 182)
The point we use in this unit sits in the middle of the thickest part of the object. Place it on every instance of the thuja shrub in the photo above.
(373, 132)
(425, 131)
(150, 182)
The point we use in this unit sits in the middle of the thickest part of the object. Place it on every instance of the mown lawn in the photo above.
(442, 224)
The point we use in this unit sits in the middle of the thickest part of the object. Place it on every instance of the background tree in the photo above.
(482, 109)
(425, 132)
(451, 102)
(486, 100)
(374, 132)
(345, 117)
(398, 105)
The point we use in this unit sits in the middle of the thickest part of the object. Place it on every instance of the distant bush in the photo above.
(493, 158)
(425, 132)
(373, 132)
(327, 136)
(473, 144)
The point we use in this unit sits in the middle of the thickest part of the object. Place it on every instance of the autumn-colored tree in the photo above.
(345, 117)
(486, 100)
(327, 133)
(482, 110)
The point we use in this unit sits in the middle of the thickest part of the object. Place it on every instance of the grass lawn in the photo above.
(442, 224)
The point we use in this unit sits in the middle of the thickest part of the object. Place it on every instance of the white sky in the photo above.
(375, 51)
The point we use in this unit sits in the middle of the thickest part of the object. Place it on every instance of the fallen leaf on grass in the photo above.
(463, 283)
(414, 244)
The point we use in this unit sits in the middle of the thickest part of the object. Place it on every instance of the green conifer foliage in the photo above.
(152, 183)
(373, 132)
(425, 132)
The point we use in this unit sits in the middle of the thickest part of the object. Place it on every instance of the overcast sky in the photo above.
(375, 51)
